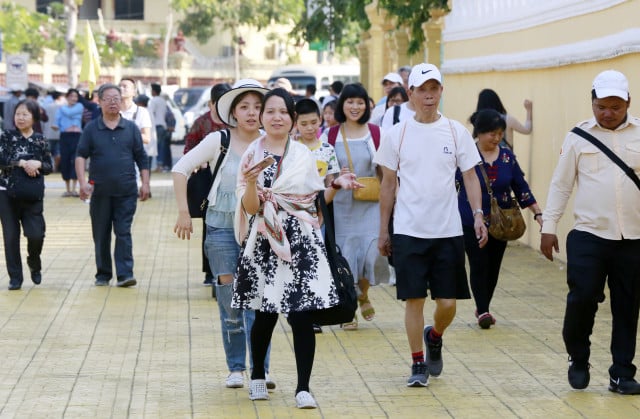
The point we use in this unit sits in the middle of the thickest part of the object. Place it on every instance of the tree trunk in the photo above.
(72, 28)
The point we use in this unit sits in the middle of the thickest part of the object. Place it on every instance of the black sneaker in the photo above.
(208, 281)
(127, 282)
(419, 375)
(624, 385)
(433, 355)
(579, 374)
(102, 282)
(36, 277)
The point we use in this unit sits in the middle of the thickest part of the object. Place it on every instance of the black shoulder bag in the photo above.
(342, 277)
(606, 150)
(201, 181)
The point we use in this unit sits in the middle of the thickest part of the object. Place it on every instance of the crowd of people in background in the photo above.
(262, 242)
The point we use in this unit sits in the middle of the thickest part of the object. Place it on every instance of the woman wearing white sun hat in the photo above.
(239, 108)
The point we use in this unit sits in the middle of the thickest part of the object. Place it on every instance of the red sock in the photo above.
(417, 356)
(434, 336)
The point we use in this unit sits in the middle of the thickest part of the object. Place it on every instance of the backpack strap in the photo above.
(375, 134)
(225, 140)
(396, 114)
(333, 134)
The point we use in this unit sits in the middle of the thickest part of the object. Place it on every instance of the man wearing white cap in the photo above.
(427, 241)
(604, 243)
(389, 81)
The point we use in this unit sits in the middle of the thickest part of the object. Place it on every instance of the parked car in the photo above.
(177, 136)
(193, 102)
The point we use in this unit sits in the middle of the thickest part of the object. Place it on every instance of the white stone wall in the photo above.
(471, 19)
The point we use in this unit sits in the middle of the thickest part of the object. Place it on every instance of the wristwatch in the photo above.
(478, 211)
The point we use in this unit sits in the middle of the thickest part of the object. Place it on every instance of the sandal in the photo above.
(353, 325)
(366, 308)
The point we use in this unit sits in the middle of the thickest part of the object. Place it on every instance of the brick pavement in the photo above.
(71, 349)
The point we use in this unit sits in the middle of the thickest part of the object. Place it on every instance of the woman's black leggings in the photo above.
(304, 344)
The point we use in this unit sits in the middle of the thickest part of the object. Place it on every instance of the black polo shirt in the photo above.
(114, 154)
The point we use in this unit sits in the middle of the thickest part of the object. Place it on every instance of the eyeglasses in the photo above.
(111, 99)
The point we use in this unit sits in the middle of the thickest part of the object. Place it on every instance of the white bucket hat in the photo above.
(223, 105)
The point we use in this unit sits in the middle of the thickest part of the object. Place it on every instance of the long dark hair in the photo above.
(288, 102)
(488, 99)
(353, 90)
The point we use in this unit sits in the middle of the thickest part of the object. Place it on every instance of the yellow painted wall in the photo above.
(560, 95)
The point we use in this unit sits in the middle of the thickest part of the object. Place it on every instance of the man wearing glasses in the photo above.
(114, 145)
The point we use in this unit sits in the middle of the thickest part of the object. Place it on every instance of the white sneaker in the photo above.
(235, 380)
(258, 390)
(271, 385)
(304, 400)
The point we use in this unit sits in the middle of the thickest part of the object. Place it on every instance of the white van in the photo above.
(193, 102)
(322, 75)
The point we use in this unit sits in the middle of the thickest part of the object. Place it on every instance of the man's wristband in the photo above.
(334, 185)
(478, 211)
(536, 215)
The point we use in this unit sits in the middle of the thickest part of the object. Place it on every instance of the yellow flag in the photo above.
(90, 71)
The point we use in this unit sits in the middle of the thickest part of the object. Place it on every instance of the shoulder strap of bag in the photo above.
(486, 179)
(606, 150)
(333, 134)
(346, 148)
(225, 139)
(396, 114)
(375, 134)
(329, 230)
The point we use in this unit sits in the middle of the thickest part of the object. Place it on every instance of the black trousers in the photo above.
(205, 260)
(591, 261)
(113, 214)
(29, 214)
(484, 267)
(304, 344)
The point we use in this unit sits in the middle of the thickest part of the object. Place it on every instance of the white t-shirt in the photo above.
(376, 114)
(143, 120)
(405, 113)
(427, 156)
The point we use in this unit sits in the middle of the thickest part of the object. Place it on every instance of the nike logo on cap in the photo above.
(425, 72)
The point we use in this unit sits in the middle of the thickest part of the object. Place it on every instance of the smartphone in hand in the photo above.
(264, 163)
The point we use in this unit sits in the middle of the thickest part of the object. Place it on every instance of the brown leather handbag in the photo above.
(504, 223)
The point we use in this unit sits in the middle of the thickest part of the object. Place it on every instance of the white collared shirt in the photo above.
(607, 202)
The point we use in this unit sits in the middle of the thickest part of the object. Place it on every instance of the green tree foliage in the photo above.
(412, 14)
(343, 21)
(337, 22)
(204, 18)
(24, 31)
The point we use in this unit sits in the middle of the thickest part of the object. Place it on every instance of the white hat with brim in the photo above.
(223, 105)
(421, 73)
(392, 77)
(611, 83)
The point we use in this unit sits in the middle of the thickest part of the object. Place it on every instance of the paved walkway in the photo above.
(70, 349)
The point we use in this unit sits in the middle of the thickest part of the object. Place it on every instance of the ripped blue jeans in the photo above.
(235, 324)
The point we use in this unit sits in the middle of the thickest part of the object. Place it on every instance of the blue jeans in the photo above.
(235, 324)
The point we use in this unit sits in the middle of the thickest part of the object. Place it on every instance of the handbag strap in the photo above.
(225, 140)
(329, 229)
(486, 179)
(346, 147)
(606, 150)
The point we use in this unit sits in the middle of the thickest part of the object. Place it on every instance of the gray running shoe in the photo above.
(419, 375)
(433, 355)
